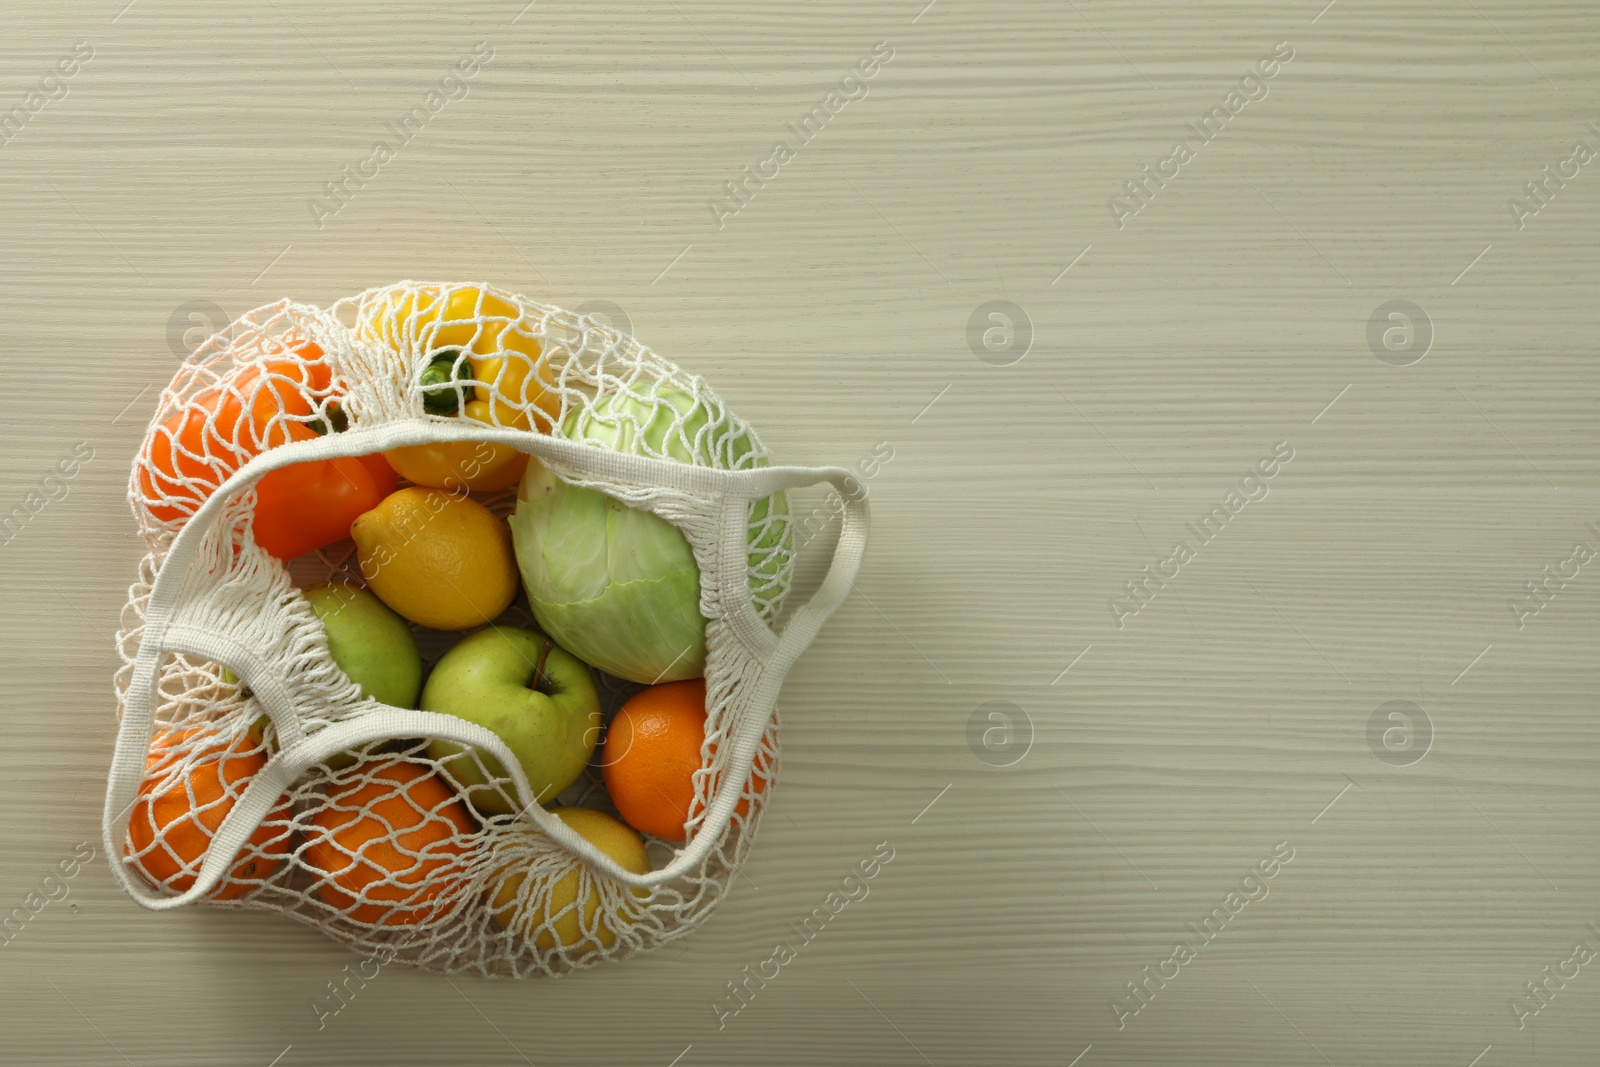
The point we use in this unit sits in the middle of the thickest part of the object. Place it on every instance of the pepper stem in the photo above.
(440, 381)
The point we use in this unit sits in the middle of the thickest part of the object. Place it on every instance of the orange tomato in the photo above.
(225, 425)
(299, 508)
(304, 506)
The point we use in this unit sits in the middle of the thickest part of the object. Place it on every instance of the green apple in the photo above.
(536, 697)
(369, 642)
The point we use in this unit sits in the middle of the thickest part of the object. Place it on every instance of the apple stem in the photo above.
(538, 668)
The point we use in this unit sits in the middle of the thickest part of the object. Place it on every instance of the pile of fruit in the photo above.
(431, 542)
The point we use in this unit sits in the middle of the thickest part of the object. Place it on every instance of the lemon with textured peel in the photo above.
(442, 561)
(607, 834)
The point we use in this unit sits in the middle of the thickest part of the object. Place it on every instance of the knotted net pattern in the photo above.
(373, 843)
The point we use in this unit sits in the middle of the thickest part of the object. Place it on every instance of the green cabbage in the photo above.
(616, 586)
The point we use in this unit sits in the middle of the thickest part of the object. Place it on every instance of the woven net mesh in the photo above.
(374, 844)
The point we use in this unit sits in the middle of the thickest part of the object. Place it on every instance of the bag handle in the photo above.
(776, 653)
(807, 620)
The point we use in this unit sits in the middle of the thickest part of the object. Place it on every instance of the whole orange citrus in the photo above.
(191, 783)
(651, 752)
(388, 843)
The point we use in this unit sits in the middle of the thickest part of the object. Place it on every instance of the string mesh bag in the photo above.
(250, 772)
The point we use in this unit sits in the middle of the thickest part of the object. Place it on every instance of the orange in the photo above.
(652, 751)
(191, 784)
(388, 843)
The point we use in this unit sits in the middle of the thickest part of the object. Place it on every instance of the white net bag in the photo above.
(251, 772)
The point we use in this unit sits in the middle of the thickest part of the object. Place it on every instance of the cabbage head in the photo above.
(617, 586)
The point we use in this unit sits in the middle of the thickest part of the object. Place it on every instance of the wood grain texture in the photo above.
(1230, 714)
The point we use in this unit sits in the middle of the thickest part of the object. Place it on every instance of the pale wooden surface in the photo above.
(831, 310)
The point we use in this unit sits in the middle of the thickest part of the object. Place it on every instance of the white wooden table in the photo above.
(1149, 357)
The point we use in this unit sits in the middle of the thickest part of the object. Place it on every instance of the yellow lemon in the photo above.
(608, 835)
(441, 561)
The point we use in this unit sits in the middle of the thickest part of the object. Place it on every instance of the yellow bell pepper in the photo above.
(500, 359)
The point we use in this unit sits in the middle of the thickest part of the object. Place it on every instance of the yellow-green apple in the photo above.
(536, 697)
(369, 642)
